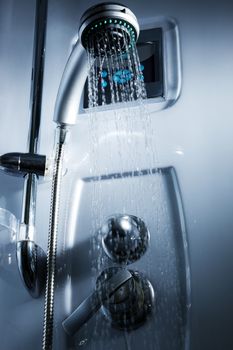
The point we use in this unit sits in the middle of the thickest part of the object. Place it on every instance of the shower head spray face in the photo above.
(107, 24)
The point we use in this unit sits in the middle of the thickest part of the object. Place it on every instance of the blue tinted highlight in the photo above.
(104, 83)
(122, 76)
(104, 74)
(116, 78)
(141, 67)
(141, 77)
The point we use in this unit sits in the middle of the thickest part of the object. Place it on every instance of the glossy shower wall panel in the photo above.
(155, 198)
(194, 136)
(16, 46)
(16, 49)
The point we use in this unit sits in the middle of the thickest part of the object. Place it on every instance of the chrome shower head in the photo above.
(107, 28)
(108, 18)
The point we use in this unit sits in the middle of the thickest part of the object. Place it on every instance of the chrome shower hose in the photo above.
(47, 343)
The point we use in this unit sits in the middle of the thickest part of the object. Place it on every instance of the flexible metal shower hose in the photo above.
(47, 343)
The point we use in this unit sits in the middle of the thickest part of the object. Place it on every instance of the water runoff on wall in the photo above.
(116, 83)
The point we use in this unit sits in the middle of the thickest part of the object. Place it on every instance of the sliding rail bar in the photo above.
(27, 226)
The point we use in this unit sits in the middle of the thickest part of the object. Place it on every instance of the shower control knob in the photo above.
(125, 238)
(106, 286)
(131, 305)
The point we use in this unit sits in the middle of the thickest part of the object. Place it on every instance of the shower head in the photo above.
(108, 26)
(105, 28)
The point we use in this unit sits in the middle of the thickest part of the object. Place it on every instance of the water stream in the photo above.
(116, 79)
(125, 177)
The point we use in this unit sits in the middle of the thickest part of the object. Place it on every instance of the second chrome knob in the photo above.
(125, 238)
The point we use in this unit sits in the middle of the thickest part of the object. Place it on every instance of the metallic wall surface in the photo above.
(194, 136)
